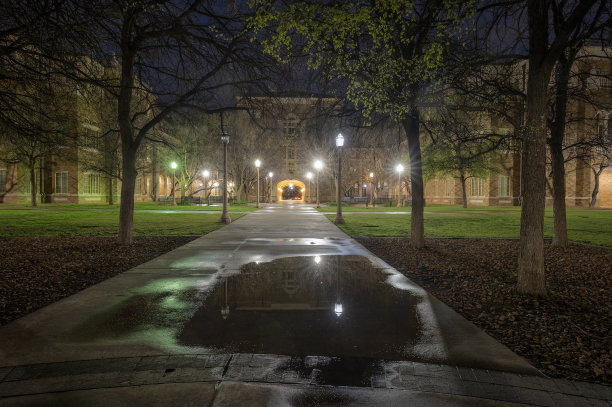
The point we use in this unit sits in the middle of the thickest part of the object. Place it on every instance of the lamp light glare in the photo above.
(399, 168)
(339, 140)
(338, 309)
(257, 163)
(173, 165)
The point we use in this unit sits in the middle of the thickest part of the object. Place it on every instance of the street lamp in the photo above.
(257, 164)
(372, 189)
(270, 175)
(339, 143)
(399, 168)
(318, 165)
(225, 218)
(206, 174)
(309, 176)
(173, 165)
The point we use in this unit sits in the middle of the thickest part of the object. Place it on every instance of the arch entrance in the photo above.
(290, 190)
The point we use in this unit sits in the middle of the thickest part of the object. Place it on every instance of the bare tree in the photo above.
(461, 145)
(169, 56)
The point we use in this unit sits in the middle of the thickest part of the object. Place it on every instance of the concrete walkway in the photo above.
(277, 308)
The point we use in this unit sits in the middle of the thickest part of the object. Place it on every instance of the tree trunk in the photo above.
(33, 185)
(411, 126)
(558, 180)
(126, 210)
(463, 190)
(531, 279)
(110, 190)
(557, 134)
(595, 189)
(129, 146)
(154, 176)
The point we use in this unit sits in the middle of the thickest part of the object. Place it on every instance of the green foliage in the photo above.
(460, 145)
(381, 48)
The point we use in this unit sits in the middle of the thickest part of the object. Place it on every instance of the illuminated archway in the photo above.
(290, 190)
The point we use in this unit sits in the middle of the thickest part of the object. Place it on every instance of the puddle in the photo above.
(325, 305)
(338, 306)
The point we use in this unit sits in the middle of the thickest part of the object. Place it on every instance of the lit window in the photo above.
(91, 184)
(290, 128)
(61, 182)
(478, 185)
(504, 185)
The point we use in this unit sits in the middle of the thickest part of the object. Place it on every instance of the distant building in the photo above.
(300, 129)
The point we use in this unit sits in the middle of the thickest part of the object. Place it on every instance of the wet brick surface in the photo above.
(309, 370)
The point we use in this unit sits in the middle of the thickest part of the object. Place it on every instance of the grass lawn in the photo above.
(583, 226)
(137, 206)
(52, 222)
(446, 208)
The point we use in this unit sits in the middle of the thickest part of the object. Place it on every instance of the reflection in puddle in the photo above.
(323, 305)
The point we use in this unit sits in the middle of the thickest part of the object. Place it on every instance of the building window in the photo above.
(138, 189)
(448, 187)
(290, 128)
(436, 187)
(91, 184)
(91, 136)
(2, 180)
(504, 185)
(61, 182)
(602, 128)
(478, 186)
(604, 79)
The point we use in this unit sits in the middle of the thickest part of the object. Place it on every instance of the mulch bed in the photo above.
(566, 334)
(35, 272)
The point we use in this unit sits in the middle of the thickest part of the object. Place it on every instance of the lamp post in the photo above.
(372, 189)
(257, 165)
(309, 176)
(399, 170)
(270, 175)
(318, 165)
(225, 218)
(339, 143)
(206, 174)
(173, 165)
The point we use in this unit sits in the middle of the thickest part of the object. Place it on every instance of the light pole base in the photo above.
(339, 220)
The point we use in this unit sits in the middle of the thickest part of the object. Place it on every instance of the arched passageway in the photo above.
(290, 190)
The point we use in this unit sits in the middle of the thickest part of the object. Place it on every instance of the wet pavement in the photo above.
(261, 302)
